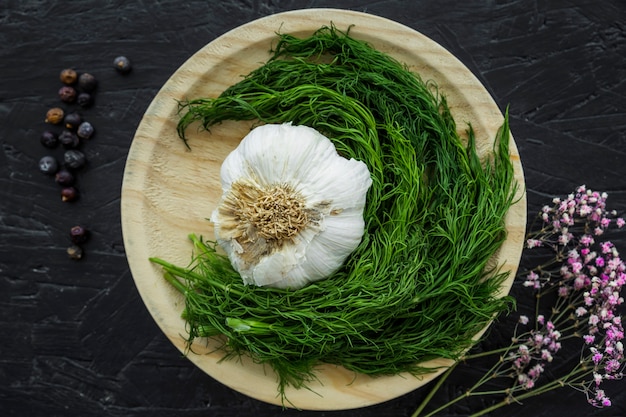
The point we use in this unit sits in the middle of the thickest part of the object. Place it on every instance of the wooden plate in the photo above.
(169, 191)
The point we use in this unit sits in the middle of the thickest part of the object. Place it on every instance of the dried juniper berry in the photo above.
(69, 194)
(68, 76)
(87, 82)
(79, 234)
(122, 64)
(84, 100)
(69, 139)
(74, 159)
(49, 139)
(75, 252)
(72, 120)
(48, 165)
(85, 130)
(64, 177)
(55, 116)
(67, 94)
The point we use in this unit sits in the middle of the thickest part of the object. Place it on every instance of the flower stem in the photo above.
(432, 392)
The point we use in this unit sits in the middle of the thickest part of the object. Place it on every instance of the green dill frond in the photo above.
(419, 286)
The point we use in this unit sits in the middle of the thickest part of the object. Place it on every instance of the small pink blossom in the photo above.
(586, 240)
(606, 247)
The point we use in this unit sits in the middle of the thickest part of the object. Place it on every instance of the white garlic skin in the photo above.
(332, 191)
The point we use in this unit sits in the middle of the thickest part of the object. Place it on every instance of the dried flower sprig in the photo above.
(583, 278)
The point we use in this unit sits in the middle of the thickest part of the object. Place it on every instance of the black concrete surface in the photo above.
(76, 340)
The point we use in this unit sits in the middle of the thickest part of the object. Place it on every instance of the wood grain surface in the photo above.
(169, 191)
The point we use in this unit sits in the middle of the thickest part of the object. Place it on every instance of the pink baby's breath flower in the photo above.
(546, 355)
(597, 378)
(580, 311)
(597, 357)
(564, 239)
(530, 384)
(589, 256)
(580, 282)
(577, 267)
(584, 210)
(612, 366)
(588, 276)
(535, 371)
(586, 240)
(606, 247)
(533, 243)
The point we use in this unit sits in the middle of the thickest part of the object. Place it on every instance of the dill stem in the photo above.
(190, 275)
(174, 282)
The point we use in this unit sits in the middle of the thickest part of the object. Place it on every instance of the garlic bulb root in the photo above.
(291, 210)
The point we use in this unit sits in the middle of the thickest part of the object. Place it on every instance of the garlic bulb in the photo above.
(292, 208)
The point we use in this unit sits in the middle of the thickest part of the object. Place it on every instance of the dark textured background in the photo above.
(76, 339)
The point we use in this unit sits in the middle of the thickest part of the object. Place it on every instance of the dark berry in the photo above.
(74, 159)
(48, 165)
(64, 178)
(55, 115)
(79, 234)
(68, 76)
(69, 194)
(75, 252)
(49, 139)
(87, 82)
(67, 94)
(72, 121)
(122, 64)
(69, 139)
(85, 130)
(84, 100)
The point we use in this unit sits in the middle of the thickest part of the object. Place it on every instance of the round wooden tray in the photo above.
(169, 191)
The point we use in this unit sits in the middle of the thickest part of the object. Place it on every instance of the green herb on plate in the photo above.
(420, 285)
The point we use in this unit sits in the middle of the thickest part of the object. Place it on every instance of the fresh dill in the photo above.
(420, 285)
